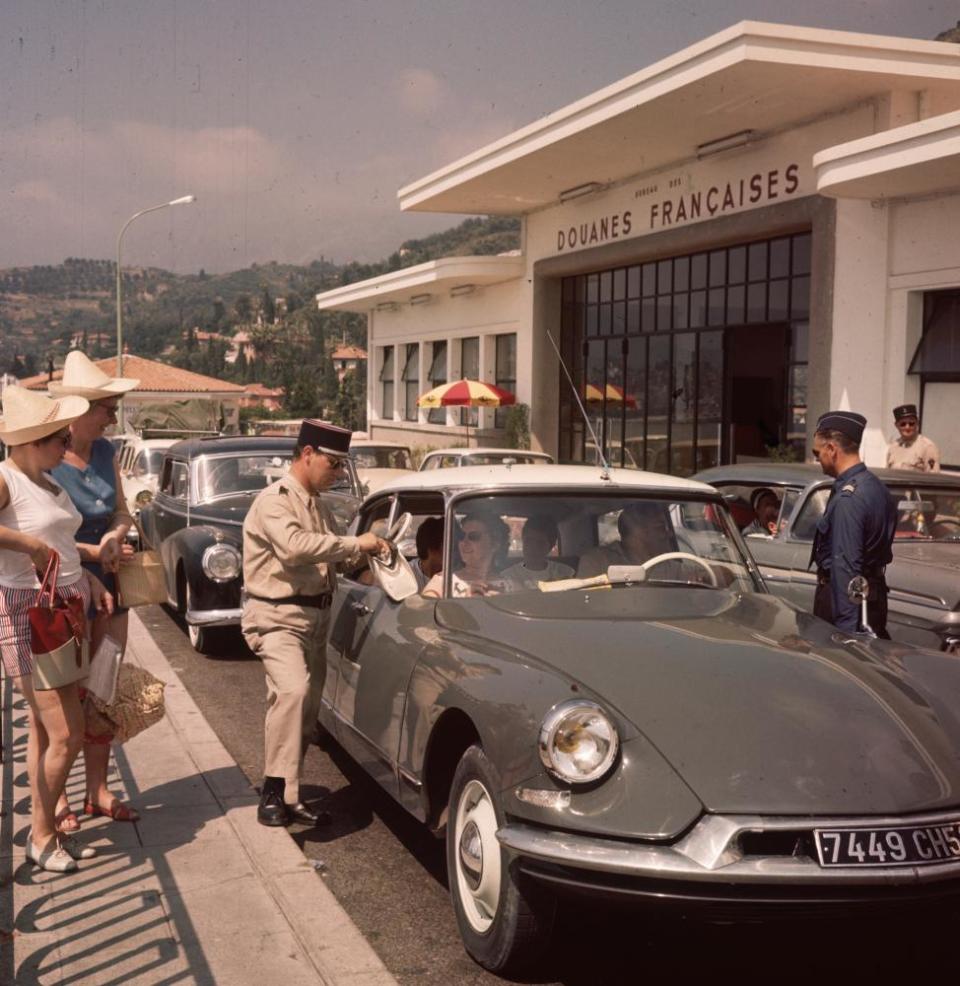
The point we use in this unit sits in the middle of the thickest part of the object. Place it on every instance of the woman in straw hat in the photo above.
(90, 475)
(37, 518)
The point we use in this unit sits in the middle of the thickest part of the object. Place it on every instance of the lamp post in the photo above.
(183, 200)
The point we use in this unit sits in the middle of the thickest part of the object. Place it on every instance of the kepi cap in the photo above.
(29, 416)
(905, 411)
(848, 423)
(324, 437)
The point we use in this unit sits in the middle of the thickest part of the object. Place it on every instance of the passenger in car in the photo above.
(766, 509)
(481, 540)
(429, 551)
(645, 532)
(539, 538)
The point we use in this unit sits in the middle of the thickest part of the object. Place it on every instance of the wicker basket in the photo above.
(137, 705)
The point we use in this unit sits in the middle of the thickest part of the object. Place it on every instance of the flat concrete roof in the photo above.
(753, 76)
(434, 278)
(917, 159)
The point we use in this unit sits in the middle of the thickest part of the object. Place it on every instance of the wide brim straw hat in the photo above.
(29, 416)
(83, 378)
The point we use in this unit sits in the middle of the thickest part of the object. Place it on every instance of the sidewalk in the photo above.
(196, 892)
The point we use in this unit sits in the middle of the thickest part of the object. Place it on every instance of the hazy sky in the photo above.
(296, 121)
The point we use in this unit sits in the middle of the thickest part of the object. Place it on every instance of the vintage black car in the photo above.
(924, 578)
(196, 519)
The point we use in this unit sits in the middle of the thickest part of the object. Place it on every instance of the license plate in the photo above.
(901, 845)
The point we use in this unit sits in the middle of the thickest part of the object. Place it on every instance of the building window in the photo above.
(438, 376)
(686, 362)
(470, 370)
(937, 363)
(386, 383)
(411, 381)
(506, 370)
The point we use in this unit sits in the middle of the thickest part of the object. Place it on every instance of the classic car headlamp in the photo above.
(578, 742)
(221, 562)
(143, 498)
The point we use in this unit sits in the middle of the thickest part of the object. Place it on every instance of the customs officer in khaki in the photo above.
(290, 551)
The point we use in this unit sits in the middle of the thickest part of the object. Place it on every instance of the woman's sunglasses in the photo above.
(473, 536)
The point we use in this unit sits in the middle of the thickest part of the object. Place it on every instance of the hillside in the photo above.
(45, 310)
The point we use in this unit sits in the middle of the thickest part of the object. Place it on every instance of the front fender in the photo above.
(184, 550)
(506, 695)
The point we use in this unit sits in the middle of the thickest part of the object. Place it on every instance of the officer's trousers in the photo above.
(876, 606)
(291, 641)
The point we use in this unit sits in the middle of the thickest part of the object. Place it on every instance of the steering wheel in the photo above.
(678, 555)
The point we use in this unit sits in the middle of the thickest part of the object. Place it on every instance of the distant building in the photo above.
(723, 245)
(259, 395)
(347, 358)
(160, 383)
(240, 343)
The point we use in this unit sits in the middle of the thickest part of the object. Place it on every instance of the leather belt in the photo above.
(877, 575)
(320, 601)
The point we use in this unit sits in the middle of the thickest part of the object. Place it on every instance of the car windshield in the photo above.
(233, 475)
(496, 458)
(370, 457)
(149, 463)
(521, 542)
(927, 513)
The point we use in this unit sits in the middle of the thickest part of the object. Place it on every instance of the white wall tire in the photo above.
(504, 922)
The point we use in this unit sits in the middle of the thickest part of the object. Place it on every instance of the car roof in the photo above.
(373, 443)
(467, 477)
(804, 473)
(191, 448)
(505, 452)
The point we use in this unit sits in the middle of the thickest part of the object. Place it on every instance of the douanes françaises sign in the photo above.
(671, 200)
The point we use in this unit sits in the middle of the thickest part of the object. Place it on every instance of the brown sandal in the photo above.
(66, 820)
(118, 811)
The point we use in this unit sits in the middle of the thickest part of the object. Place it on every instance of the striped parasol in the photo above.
(614, 395)
(466, 393)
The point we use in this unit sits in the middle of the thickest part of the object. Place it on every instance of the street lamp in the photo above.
(183, 200)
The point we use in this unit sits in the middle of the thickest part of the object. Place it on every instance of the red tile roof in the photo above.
(349, 352)
(154, 378)
(262, 390)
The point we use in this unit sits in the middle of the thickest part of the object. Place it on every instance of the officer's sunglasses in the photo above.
(335, 461)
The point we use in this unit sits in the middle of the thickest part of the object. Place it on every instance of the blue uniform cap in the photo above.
(848, 423)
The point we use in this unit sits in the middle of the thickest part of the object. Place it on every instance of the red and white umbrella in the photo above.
(466, 393)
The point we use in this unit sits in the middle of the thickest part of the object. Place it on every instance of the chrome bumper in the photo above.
(710, 853)
(214, 617)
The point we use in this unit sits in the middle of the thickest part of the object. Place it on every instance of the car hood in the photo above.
(759, 707)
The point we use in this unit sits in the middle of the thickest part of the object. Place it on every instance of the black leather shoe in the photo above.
(305, 815)
(272, 810)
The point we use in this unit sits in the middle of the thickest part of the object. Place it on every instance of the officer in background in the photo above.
(290, 552)
(911, 450)
(855, 533)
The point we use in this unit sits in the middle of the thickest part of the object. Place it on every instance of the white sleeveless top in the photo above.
(51, 518)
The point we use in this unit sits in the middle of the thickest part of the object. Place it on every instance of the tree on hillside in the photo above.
(243, 307)
(267, 306)
(350, 407)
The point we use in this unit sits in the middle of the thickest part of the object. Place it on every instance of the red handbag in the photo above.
(57, 634)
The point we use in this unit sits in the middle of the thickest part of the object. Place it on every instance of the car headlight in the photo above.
(143, 498)
(578, 742)
(221, 562)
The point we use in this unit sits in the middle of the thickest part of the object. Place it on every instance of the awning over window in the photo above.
(938, 353)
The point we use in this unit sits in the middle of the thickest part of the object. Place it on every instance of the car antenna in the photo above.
(605, 471)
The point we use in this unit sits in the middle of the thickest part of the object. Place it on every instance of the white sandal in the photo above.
(75, 848)
(56, 860)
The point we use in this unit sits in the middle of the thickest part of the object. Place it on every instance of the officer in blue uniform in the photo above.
(855, 533)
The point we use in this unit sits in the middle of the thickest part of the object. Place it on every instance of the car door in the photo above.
(375, 656)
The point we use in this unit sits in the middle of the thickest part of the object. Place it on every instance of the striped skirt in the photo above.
(15, 623)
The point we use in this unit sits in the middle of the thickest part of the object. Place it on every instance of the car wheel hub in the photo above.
(477, 879)
(471, 855)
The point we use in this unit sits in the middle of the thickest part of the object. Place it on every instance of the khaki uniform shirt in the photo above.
(921, 455)
(288, 545)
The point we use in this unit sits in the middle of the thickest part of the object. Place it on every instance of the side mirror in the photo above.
(858, 589)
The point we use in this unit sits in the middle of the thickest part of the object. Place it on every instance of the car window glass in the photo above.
(582, 535)
(790, 498)
(178, 480)
(927, 512)
(805, 525)
(140, 465)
